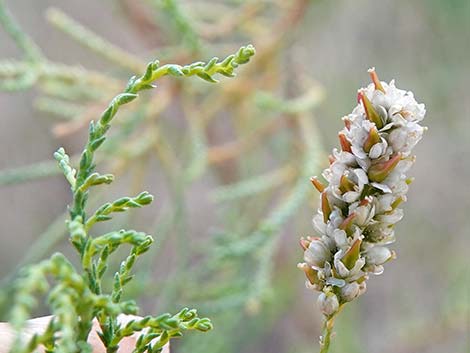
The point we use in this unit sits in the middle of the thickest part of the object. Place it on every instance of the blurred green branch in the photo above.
(253, 185)
(181, 22)
(94, 42)
(28, 173)
(75, 298)
(22, 40)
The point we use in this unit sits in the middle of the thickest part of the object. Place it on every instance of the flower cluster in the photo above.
(366, 183)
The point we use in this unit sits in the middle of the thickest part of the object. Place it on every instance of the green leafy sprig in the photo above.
(76, 298)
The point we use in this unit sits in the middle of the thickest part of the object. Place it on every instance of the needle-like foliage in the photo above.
(76, 296)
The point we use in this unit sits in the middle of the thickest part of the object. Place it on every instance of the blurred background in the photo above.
(229, 163)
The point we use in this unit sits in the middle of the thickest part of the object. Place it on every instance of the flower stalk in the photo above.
(328, 325)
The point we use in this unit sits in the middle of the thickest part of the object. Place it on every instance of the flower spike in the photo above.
(359, 206)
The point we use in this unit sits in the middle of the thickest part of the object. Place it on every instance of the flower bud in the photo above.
(350, 291)
(317, 253)
(378, 255)
(328, 303)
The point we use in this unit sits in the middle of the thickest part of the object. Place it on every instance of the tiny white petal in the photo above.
(364, 163)
(378, 255)
(340, 238)
(361, 177)
(351, 196)
(358, 151)
(376, 151)
(385, 188)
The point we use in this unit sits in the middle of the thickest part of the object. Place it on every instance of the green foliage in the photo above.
(175, 131)
(77, 296)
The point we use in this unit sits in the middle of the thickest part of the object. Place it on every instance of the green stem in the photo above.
(325, 339)
(328, 325)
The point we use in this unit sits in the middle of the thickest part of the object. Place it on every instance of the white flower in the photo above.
(317, 253)
(378, 255)
(404, 138)
(328, 303)
(366, 181)
(349, 274)
(350, 291)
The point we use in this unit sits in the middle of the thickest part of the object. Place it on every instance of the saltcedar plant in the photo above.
(76, 297)
(365, 183)
(254, 200)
